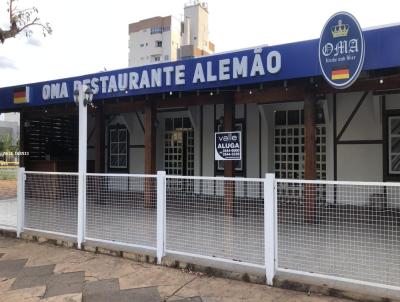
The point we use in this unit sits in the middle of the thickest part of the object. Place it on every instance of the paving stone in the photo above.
(11, 268)
(148, 294)
(191, 299)
(63, 284)
(28, 282)
(33, 276)
(99, 288)
(42, 270)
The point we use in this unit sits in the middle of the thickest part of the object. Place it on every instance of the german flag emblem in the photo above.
(340, 74)
(21, 95)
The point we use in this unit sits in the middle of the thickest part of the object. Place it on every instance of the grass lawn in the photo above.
(8, 174)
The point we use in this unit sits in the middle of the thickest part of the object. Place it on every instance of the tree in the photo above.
(22, 20)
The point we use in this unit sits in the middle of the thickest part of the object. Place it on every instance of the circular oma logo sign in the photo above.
(341, 50)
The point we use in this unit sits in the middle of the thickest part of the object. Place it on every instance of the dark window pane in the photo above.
(114, 148)
(169, 124)
(187, 123)
(280, 118)
(122, 161)
(113, 135)
(395, 144)
(114, 160)
(293, 117)
(122, 148)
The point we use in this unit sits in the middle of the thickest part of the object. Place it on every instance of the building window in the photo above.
(118, 148)
(179, 146)
(166, 57)
(159, 29)
(394, 144)
(142, 45)
(289, 144)
(158, 43)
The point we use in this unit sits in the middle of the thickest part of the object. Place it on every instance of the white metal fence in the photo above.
(8, 199)
(348, 231)
(225, 226)
(51, 202)
(345, 231)
(122, 208)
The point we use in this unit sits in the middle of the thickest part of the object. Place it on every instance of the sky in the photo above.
(92, 35)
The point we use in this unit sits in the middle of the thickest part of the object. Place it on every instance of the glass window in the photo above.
(289, 144)
(394, 144)
(293, 117)
(118, 138)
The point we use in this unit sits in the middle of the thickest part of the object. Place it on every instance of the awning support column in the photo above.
(229, 168)
(100, 140)
(310, 172)
(149, 152)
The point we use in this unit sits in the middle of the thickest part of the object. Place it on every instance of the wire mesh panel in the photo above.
(8, 198)
(122, 208)
(51, 202)
(225, 226)
(350, 231)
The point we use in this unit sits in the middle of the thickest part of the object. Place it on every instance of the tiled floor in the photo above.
(43, 272)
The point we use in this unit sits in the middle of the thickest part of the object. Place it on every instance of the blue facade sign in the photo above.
(249, 66)
(341, 50)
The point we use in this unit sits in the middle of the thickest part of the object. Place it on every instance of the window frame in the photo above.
(389, 144)
(118, 128)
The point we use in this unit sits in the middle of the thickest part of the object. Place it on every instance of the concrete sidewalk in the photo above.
(31, 271)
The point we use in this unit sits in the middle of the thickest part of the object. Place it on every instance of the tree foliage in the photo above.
(22, 21)
(6, 143)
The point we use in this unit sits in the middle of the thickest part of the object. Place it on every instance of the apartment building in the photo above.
(163, 39)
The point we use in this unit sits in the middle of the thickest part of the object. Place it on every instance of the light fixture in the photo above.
(250, 92)
(221, 120)
(170, 93)
(76, 96)
(211, 93)
(88, 95)
(381, 80)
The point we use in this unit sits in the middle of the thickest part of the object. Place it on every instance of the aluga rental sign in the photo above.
(228, 145)
(341, 50)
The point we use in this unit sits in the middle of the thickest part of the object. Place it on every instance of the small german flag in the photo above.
(21, 95)
(340, 74)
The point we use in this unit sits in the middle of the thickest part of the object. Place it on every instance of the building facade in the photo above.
(163, 117)
(164, 39)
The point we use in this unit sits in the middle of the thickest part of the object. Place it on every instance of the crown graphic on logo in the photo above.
(340, 30)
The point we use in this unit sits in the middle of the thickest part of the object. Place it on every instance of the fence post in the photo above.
(20, 201)
(81, 211)
(82, 161)
(269, 227)
(161, 215)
